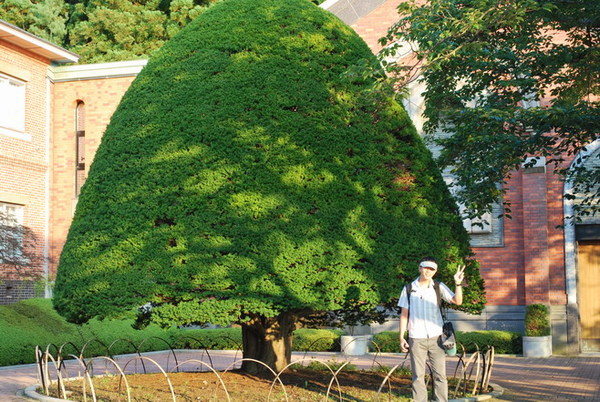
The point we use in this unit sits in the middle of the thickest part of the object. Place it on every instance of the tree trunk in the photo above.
(268, 340)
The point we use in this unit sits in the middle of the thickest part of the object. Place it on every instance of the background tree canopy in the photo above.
(105, 31)
(244, 179)
(487, 65)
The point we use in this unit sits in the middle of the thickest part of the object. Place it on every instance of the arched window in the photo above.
(79, 147)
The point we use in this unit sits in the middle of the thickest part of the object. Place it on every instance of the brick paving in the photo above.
(523, 379)
(555, 378)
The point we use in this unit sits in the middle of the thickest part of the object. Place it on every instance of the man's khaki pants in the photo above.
(420, 350)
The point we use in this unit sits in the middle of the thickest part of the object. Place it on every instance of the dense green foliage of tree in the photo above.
(509, 79)
(122, 29)
(243, 178)
(46, 18)
(104, 31)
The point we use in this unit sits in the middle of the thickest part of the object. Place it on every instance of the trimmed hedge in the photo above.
(217, 339)
(387, 342)
(317, 340)
(504, 342)
(34, 322)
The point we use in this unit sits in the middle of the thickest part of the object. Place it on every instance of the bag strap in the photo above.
(438, 293)
(408, 288)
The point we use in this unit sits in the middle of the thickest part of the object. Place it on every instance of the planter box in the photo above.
(355, 345)
(537, 346)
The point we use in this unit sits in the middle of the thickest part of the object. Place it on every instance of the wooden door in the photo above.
(589, 295)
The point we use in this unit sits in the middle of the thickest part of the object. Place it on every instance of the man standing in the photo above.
(424, 322)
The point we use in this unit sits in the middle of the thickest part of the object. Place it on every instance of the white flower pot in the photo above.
(355, 345)
(537, 346)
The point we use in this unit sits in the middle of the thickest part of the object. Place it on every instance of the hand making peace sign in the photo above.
(459, 276)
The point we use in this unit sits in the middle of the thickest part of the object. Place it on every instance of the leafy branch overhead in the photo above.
(508, 79)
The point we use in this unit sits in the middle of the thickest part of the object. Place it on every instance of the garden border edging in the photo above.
(497, 390)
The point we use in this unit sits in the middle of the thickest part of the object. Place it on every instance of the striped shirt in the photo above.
(425, 320)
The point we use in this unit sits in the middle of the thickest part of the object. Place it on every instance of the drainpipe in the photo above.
(47, 289)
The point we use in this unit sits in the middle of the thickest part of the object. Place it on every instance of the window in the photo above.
(11, 232)
(12, 104)
(79, 147)
(479, 225)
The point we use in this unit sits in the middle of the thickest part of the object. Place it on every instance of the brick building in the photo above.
(44, 162)
(26, 94)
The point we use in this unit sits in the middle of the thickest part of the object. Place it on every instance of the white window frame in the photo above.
(480, 225)
(12, 107)
(414, 105)
(473, 226)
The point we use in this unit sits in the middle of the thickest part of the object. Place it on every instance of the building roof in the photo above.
(32, 43)
(351, 11)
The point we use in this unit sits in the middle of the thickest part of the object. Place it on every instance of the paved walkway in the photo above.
(523, 379)
(555, 378)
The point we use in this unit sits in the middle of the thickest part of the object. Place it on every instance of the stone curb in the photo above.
(497, 390)
(30, 392)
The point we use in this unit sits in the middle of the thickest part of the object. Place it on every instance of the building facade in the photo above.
(532, 258)
(26, 95)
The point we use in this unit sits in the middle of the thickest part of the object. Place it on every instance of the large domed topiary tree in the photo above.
(245, 179)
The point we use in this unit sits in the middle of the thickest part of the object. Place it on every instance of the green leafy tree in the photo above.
(116, 30)
(124, 30)
(245, 179)
(508, 79)
(46, 19)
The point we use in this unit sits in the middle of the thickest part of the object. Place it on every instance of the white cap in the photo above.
(429, 264)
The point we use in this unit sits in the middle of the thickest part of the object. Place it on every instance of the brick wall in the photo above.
(24, 165)
(101, 97)
(12, 291)
(530, 267)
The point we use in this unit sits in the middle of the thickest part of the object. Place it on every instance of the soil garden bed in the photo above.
(301, 384)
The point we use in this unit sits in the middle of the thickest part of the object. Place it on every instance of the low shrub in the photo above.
(305, 339)
(34, 322)
(27, 324)
(217, 339)
(386, 342)
(537, 320)
(504, 342)
(317, 340)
